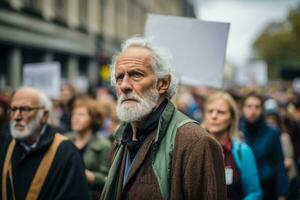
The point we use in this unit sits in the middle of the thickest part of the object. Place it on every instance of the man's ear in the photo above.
(45, 117)
(163, 84)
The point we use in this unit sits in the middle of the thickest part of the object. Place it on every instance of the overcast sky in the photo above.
(247, 19)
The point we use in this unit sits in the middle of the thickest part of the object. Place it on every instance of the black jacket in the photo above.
(66, 178)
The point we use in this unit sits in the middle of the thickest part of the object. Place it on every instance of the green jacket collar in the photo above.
(170, 120)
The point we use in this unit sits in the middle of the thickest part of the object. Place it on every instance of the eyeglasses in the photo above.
(24, 110)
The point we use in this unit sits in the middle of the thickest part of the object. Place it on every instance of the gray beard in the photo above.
(29, 129)
(136, 111)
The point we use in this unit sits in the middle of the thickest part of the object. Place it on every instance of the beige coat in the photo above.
(288, 153)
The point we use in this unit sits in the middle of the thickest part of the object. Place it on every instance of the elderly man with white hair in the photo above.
(39, 163)
(160, 152)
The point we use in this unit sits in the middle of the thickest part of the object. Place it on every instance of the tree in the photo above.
(279, 42)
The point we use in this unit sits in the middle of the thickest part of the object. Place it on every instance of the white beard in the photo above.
(136, 111)
(29, 129)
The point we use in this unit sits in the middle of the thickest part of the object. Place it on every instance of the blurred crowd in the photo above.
(268, 123)
(90, 120)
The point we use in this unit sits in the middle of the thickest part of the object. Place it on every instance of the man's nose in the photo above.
(126, 85)
(17, 116)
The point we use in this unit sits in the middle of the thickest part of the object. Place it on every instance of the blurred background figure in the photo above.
(264, 140)
(195, 107)
(221, 120)
(271, 110)
(4, 117)
(85, 122)
(110, 119)
(104, 94)
(291, 125)
(107, 103)
(5, 137)
(183, 98)
(66, 101)
(190, 100)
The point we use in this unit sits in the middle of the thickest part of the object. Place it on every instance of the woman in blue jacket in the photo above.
(221, 120)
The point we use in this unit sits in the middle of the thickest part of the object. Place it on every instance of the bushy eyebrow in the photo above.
(124, 61)
(131, 72)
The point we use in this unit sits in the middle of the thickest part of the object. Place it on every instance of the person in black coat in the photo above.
(33, 138)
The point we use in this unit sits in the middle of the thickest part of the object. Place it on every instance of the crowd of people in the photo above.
(265, 123)
(150, 139)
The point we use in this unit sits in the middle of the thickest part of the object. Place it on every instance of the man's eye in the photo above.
(14, 109)
(137, 75)
(119, 78)
(25, 109)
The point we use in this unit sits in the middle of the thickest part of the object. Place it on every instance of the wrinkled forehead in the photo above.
(25, 98)
(135, 55)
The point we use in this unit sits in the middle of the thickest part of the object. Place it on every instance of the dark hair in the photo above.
(72, 90)
(4, 103)
(253, 94)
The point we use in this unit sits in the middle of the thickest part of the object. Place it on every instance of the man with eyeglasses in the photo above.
(39, 163)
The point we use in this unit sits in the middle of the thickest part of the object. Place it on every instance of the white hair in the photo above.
(160, 61)
(46, 102)
(43, 99)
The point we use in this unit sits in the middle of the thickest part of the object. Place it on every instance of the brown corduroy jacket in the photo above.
(197, 170)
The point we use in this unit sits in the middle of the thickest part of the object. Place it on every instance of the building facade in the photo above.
(80, 34)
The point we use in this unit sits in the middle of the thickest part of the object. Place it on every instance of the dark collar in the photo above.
(44, 141)
(254, 128)
(150, 124)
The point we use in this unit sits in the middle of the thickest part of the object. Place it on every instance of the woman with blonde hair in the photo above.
(221, 120)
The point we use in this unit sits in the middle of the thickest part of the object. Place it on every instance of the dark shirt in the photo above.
(150, 124)
(264, 141)
(82, 151)
(133, 147)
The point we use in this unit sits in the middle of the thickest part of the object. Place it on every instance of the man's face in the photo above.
(26, 115)
(252, 109)
(135, 84)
